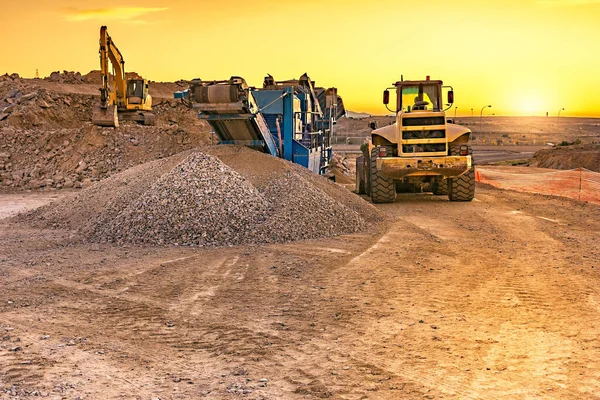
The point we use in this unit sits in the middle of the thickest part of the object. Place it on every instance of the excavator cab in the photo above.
(137, 89)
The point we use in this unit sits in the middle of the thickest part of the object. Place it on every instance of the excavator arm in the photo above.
(110, 52)
(105, 114)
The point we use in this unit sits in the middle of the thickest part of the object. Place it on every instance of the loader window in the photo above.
(416, 95)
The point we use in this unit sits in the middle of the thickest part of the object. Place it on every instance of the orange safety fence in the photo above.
(579, 184)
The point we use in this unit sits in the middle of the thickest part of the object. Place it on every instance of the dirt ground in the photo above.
(494, 299)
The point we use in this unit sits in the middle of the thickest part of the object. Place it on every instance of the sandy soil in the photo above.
(13, 203)
(494, 299)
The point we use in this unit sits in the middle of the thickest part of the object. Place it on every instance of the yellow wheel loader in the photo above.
(421, 151)
(120, 98)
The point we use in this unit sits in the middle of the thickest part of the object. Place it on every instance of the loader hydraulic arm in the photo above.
(109, 51)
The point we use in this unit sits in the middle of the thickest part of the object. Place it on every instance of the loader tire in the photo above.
(383, 190)
(455, 151)
(360, 175)
(439, 187)
(462, 188)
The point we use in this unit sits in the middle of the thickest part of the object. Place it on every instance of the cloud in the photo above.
(112, 13)
(562, 3)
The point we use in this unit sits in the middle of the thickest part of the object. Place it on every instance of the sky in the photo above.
(522, 57)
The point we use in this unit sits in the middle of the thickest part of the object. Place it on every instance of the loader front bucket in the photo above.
(105, 116)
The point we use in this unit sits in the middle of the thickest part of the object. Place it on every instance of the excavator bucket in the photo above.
(106, 117)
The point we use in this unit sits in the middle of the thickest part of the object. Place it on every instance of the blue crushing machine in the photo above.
(290, 119)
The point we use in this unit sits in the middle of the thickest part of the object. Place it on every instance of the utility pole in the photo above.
(481, 116)
(558, 118)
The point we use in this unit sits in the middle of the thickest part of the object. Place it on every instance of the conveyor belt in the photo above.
(232, 111)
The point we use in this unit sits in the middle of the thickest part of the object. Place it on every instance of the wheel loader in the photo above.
(421, 151)
(120, 98)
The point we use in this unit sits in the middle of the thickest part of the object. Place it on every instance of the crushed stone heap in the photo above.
(197, 199)
(200, 202)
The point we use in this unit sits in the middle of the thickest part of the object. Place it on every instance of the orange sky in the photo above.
(523, 57)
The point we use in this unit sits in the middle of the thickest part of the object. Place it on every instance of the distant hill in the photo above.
(357, 115)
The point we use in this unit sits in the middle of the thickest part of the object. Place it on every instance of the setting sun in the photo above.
(530, 104)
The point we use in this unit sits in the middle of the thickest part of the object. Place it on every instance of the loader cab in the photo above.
(137, 90)
(419, 96)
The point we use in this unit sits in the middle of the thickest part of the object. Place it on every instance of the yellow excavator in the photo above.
(120, 98)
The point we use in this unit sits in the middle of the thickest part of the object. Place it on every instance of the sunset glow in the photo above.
(525, 57)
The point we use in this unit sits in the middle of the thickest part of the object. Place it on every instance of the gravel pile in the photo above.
(200, 202)
(99, 204)
(198, 199)
(302, 211)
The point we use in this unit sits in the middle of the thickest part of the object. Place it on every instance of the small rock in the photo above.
(82, 167)
(27, 97)
(12, 93)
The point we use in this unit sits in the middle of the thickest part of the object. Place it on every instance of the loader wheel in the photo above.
(439, 187)
(383, 190)
(462, 188)
(360, 175)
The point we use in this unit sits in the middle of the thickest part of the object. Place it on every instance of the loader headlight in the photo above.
(464, 150)
(383, 152)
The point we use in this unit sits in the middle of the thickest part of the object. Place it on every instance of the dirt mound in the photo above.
(239, 197)
(67, 158)
(66, 77)
(340, 170)
(568, 157)
(94, 76)
(29, 107)
(48, 140)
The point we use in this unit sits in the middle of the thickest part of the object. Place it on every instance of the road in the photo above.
(491, 154)
(482, 154)
(494, 299)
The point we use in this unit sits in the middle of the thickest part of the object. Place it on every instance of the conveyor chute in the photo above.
(284, 118)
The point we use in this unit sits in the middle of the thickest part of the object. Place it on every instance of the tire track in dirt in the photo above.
(468, 301)
(491, 295)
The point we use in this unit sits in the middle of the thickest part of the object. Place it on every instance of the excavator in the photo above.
(120, 98)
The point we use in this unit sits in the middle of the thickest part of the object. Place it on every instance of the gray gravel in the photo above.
(200, 202)
(195, 199)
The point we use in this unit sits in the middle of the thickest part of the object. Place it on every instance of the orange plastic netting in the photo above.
(579, 184)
